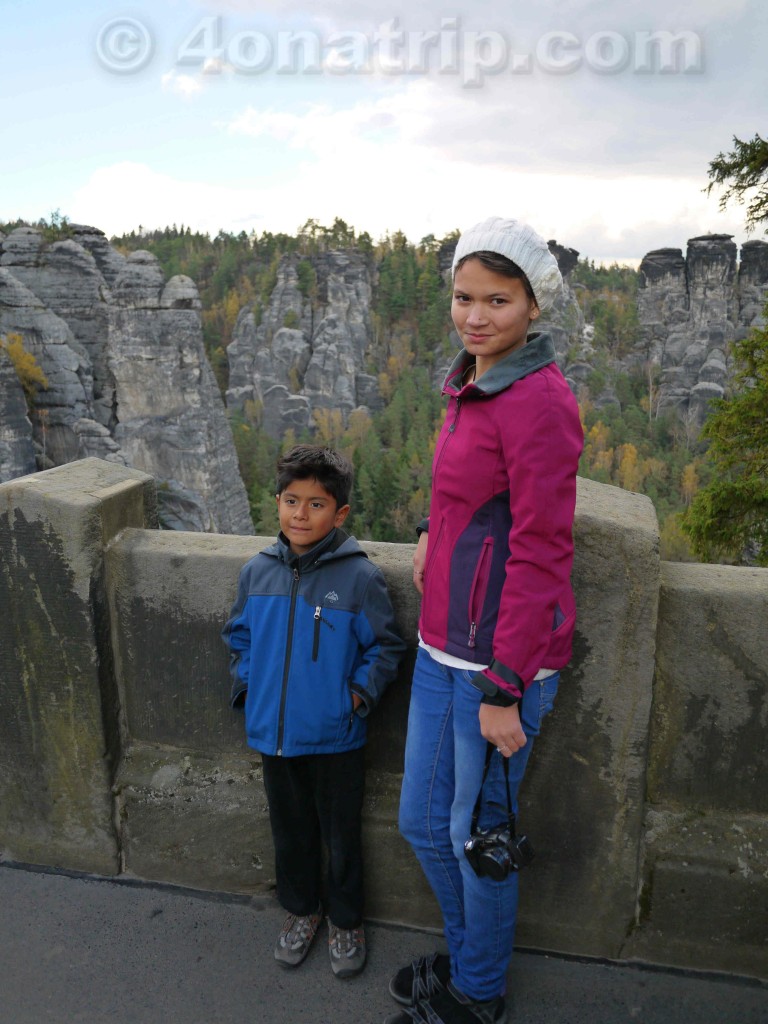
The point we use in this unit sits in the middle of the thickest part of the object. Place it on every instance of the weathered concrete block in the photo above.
(582, 801)
(58, 727)
(704, 900)
(191, 804)
(170, 594)
(708, 735)
(195, 819)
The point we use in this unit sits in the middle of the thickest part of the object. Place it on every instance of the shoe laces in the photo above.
(425, 980)
(345, 941)
(298, 929)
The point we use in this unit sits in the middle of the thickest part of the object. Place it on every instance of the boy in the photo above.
(313, 646)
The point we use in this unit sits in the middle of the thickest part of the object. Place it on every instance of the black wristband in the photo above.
(501, 699)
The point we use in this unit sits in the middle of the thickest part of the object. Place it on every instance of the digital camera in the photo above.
(495, 852)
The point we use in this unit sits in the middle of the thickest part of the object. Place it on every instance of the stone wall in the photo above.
(645, 800)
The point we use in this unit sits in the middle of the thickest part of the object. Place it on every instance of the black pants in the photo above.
(316, 800)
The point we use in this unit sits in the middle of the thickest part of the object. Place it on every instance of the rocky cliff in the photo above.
(690, 308)
(312, 347)
(128, 379)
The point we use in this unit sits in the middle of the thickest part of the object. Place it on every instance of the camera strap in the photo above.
(489, 752)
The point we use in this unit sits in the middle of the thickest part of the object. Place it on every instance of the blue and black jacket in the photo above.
(305, 632)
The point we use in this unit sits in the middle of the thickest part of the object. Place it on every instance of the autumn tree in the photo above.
(27, 368)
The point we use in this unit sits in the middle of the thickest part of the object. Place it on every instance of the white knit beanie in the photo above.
(521, 244)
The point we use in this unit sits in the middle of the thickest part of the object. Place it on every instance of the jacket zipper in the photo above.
(479, 589)
(287, 663)
(433, 548)
(451, 429)
(316, 639)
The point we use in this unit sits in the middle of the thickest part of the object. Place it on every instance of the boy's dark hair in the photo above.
(308, 461)
(499, 264)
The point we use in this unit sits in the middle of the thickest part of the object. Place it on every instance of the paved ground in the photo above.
(93, 951)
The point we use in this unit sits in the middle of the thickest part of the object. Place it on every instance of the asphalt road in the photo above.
(82, 950)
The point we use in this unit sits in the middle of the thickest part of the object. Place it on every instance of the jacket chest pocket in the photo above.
(319, 625)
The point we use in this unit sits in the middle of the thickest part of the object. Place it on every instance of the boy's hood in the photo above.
(338, 544)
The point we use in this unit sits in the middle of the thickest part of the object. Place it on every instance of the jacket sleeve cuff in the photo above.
(237, 696)
(366, 705)
(494, 693)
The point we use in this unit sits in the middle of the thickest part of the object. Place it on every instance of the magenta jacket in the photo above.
(497, 587)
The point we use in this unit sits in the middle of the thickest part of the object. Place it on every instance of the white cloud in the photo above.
(123, 196)
(181, 85)
(405, 186)
(322, 128)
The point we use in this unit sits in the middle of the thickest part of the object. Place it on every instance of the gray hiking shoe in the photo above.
(296, 937)
(346, 948)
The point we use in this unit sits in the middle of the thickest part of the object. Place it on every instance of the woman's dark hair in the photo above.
(312, 462)
(499, 265)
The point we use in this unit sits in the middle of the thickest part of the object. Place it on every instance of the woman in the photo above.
(493, 564)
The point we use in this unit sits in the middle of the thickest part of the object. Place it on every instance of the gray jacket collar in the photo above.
(538, 351)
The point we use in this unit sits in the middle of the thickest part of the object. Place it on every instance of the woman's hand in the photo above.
(501, 726)
(420, 560)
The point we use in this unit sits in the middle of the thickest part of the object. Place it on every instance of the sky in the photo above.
(593, 120)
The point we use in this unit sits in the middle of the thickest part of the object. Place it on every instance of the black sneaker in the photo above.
(423, 977)
(452, 1007)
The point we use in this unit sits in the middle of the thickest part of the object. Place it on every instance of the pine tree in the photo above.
(728, 519)
(745, 171)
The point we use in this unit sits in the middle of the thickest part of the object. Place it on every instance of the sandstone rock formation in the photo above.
(565, 322)
(128, 378)
(310, 351)
(690, 309)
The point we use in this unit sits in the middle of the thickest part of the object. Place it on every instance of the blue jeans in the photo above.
(444, 761)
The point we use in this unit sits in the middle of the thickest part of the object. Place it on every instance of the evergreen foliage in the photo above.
(745, 173)
(608, 298)
(728, 519)
(55, 228)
